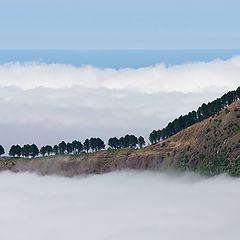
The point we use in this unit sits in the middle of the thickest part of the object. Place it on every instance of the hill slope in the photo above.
(210, 147)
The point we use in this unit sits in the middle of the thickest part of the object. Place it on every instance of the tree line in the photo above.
(75, 147)
(205, 111)
(128, 141)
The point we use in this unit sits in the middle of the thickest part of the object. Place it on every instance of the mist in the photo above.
(120, 205)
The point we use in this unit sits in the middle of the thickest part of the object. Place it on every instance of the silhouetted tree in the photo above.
(43, 151)
(26, 150)
(18, 150)
(12, 151)
(2, 151)
(79, 147)
(96, 144)
(122, 142)
(100, 144)
(34, 151)
(69, 148)
(86, 145)
(48, 149)
(114, 142)
(153, 137)
(141, 142)
(62, 147)
(56, 149)
(133, 141)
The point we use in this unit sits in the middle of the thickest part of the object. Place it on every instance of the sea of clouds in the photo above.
(47, 103)
(120, 205)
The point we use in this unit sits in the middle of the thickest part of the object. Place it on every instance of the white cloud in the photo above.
(126, 205)
(191, 77)
(50, 102)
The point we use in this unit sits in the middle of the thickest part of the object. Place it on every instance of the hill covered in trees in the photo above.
(205, 111)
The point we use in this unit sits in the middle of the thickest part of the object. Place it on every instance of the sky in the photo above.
(125, 24)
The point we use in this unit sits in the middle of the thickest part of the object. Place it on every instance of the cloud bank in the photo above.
(191, 77)
(47, 103)
(124, 205)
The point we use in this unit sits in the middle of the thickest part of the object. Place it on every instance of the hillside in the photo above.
(210, 147)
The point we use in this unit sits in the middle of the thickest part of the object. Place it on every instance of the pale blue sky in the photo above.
(142, 24)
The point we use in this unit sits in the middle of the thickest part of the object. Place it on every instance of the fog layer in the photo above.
(124, 205)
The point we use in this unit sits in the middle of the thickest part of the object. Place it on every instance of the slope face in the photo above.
(209, 147)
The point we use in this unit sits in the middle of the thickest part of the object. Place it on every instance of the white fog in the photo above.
(122, 205)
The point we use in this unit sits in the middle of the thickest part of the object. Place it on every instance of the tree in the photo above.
(48, 149)
(86, 145)
(34, 151)
(56, 149)
(141, 142)
(93, 144)
(43, 151)
(100, 144)
(126, 141)
(62, 147)
(69, 148)
(122, 142)
(79, 147)
(18, 150)
(114, 142)
(2, 151)
(133, 141)
(26, 150)
(74, 146)
(12, 151)
(153, 137)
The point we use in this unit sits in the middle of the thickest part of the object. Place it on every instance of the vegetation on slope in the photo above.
(203, 112)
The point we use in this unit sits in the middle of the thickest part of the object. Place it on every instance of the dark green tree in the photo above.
(56, 149)
(49, 149)
(114, 142)
(133, 141)
(153, 137)
(12, 151)
(2, 151)
(122, 143)
(86, 145)
(100, 144)
(79, 147)
(141, 142)
(62, 147)
(43, 151)
(34, 151)
(69, 148)
(18, 150)
(26, 150)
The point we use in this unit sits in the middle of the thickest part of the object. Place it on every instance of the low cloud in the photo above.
(190, 77)
(125, 205)
(46, 103)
